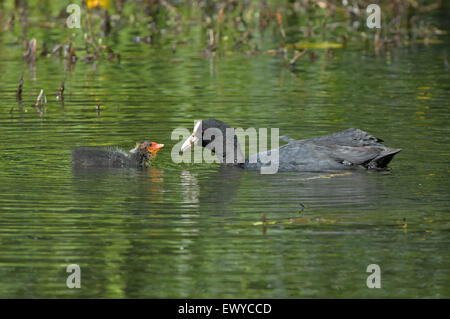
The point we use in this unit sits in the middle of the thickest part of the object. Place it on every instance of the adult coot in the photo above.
(347, 149)
(140, 156)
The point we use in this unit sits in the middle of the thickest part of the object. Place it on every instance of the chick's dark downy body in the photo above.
(139, 157)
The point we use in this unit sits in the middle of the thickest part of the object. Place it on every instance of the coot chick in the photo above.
(140, 156)
(351, 148)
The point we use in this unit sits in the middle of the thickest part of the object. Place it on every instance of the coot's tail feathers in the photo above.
(383, 159)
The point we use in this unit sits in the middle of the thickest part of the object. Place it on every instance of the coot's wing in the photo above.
(309, 156)
(312, 156)
(348, 137)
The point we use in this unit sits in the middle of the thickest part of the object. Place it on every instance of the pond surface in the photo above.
(196, 230)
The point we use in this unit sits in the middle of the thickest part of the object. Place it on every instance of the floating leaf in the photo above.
(318, 45)
(299, 220)
(326, 221)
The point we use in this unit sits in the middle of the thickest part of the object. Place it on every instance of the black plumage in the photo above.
(351, 148)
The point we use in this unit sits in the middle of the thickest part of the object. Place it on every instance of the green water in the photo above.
(195, 230)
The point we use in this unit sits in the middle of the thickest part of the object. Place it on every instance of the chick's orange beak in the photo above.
(154, 148)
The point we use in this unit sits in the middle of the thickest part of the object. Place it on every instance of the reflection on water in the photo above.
(198, 230)
(189, 187)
